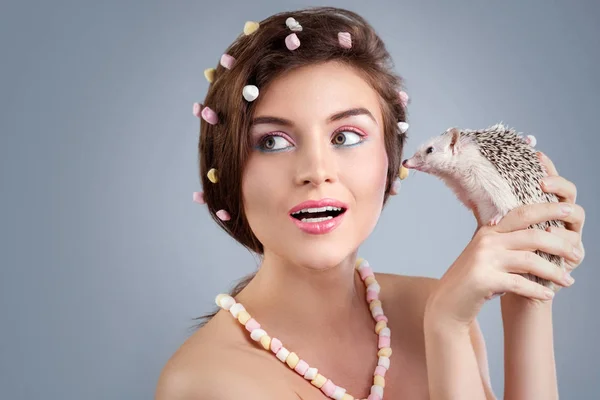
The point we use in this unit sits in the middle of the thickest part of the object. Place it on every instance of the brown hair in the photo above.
(259, 58)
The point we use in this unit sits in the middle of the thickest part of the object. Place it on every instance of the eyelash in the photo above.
(261, 141)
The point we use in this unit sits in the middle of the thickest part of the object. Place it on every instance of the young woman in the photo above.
(301, 141)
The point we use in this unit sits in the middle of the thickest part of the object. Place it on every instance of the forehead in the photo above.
(318, 91)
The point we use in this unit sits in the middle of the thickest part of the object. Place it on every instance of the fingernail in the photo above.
(568, 278)
(566, 209)
(549, 293)
(546, 184)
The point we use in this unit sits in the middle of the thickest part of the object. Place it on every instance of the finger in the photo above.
(574, 238)
(522, 261)
(520, 285)
(537, 239)
(526, 215)
(548, 164)
(561, 187)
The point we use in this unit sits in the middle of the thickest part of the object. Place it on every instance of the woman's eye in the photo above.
(273, 143)
(346, 138)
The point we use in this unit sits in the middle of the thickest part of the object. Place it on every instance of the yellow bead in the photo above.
(385, 352)
(209, 74)
(266, 342)
(346, 396)
(374, 304)
(379, 380)
(250, 27)
(379, 326)
(213, 175)
(369, 280)
(319, 381)
(243, 317)
(358, 262)
(292, 360)
(403, 173)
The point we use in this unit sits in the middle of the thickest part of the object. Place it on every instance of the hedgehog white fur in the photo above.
(491, 171)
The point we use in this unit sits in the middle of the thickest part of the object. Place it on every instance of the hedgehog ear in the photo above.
(454, 143)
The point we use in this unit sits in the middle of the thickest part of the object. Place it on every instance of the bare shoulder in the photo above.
(405, 289)
(213, 364)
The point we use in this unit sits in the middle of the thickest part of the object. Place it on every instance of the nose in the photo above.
(404, 163)
(316, 164)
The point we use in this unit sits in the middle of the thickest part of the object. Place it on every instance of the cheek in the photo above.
(261, 187)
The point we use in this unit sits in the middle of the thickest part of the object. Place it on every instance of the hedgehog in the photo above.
(491, 171)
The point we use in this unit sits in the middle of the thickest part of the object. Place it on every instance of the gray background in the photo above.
(105, 258)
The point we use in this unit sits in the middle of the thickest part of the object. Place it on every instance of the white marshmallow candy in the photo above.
(236, 309)
(311, 373)
(293, 24)
(378, 390)
(250, 92)
(282, 354)
(384, 362)
(339, 393)
(385, 332)
(256, 334)
(374, 286)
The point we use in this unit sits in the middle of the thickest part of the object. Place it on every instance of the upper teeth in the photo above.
(316, 210)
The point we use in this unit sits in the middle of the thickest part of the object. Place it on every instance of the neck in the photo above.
(309, 298)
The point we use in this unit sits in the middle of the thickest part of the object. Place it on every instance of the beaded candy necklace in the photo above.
(312, 374)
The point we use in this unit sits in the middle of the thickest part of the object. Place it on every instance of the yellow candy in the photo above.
(369, 280)
(379, 380)
(250, 27)
(346, 396)
(385, 352)
(213, 175)
(379, 326)
(358, 261)
(403, 173)
(243, 317)
(209, 74)
(292, 360)
(319, 381)
(374, 303)
(265, 340)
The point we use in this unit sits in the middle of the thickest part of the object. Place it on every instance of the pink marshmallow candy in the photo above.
(381, 318)
(373, 396)
(223, 215)
(384, 341)
(252, 324)
(196, 109)
(372, 295)
(276, 345)
(199, 198)
(345, 39)
(380, 370)
(209, 116)
(301, 367)
(328, 388)
(292, 42)
(227, 61)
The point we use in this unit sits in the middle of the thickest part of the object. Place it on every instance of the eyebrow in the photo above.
(335, 117)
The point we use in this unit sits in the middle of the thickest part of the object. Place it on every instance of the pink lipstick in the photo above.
(318, 217)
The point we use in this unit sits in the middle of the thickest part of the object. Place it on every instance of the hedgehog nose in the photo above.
(404, 162)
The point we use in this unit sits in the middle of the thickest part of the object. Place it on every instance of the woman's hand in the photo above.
(494, 257)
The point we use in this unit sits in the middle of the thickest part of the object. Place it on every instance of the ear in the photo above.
(454, 143)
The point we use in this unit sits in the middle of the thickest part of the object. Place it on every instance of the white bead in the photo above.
(250, 92)
(374, 286)
(227, 302)
(311, 373)
(282, 354)
(384, 362)
(403, 126)
(338, 393)
(256, 334)
(236, 309)
(376, 311)
(378, 390)
(385, 332)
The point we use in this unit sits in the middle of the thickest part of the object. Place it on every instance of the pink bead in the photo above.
(345, 39)
(276, 345)
(328, 388)
(209, 116)
(301, 367)
(199, 197)
(292, 42)
(373, 396)
(227, 61)
(252, 325)
(403, 97)
(380, 370)
(365, 271)
(381, 318)
(196, 109)
(384, 341)
(372, 295)
(223, 215)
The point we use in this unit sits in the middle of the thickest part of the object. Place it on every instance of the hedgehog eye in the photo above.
(429, 150)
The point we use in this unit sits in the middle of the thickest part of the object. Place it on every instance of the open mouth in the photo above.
(318, 214)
